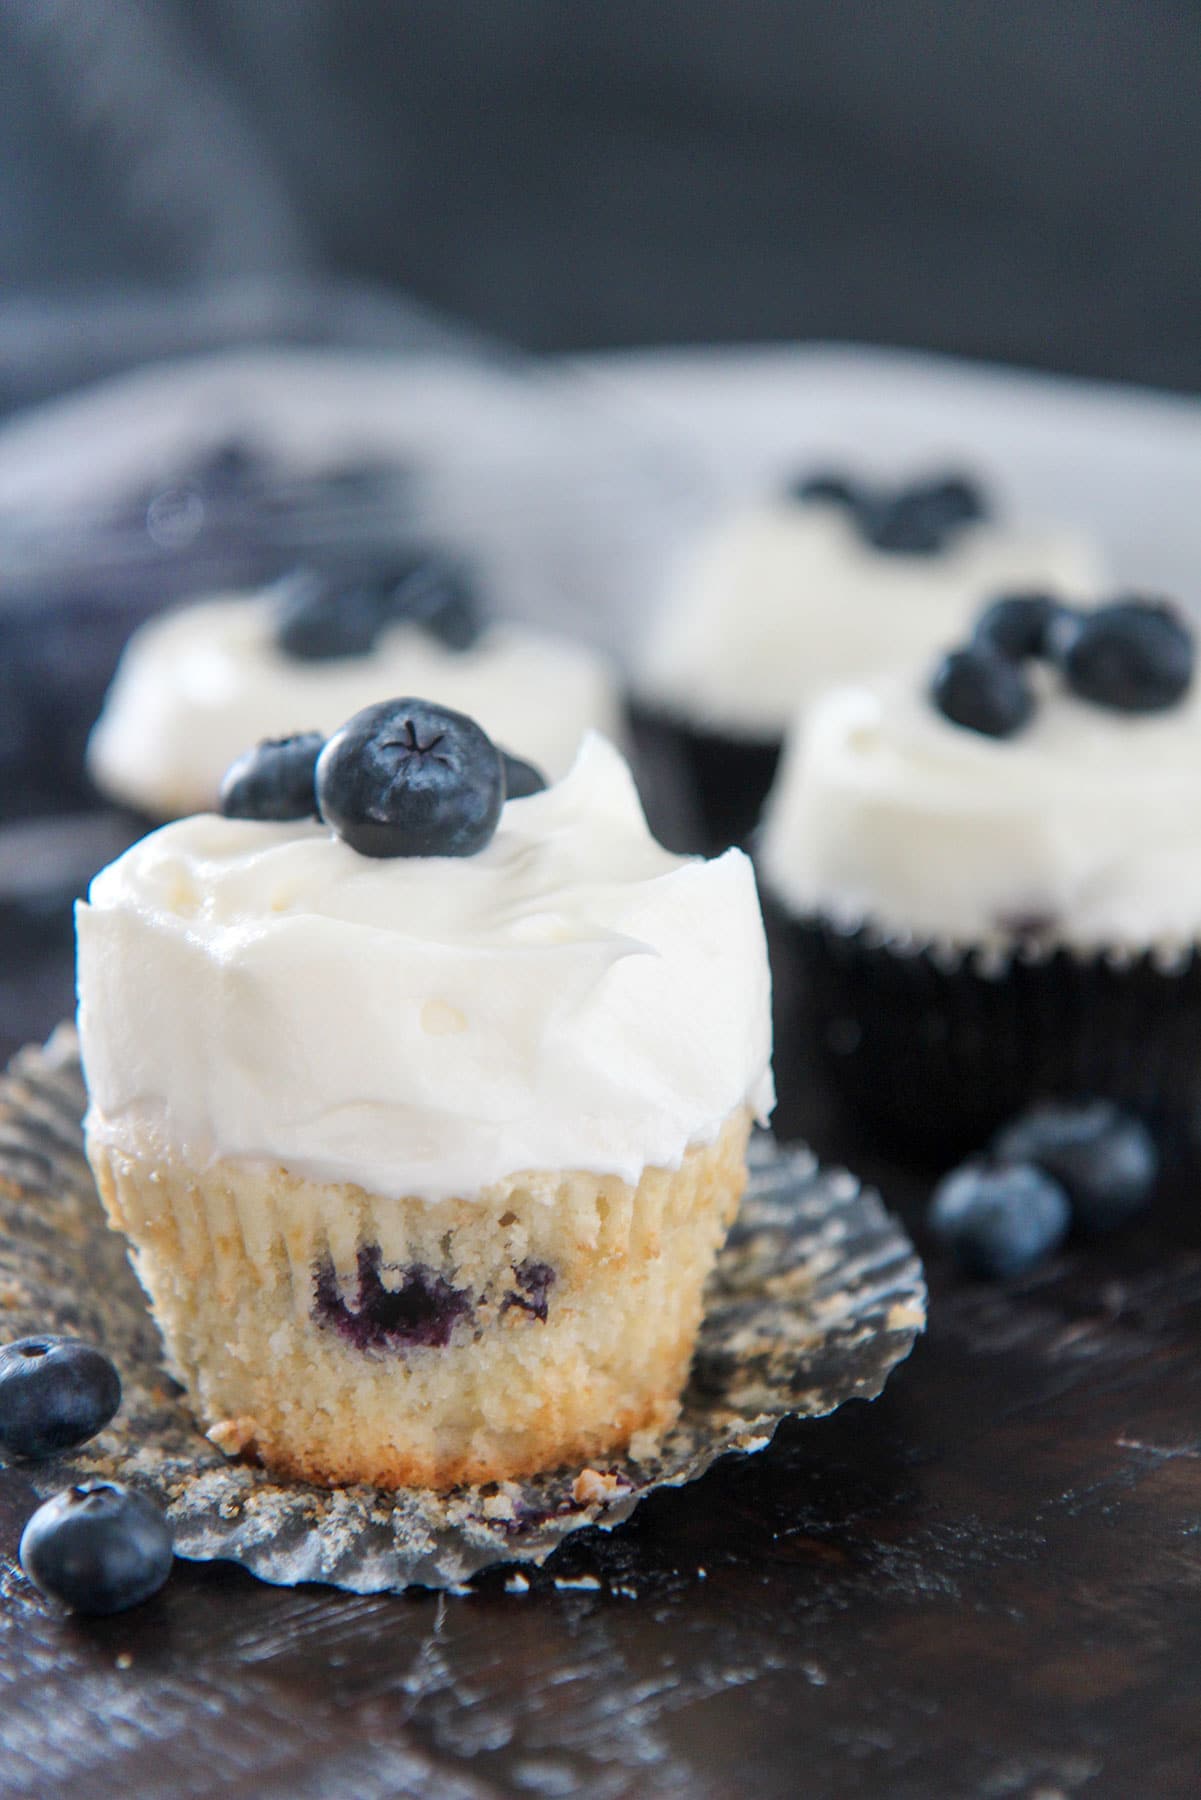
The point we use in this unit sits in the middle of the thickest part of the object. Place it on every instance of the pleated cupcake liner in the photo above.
(935, 1046)
(703, 790)
(817, 1296)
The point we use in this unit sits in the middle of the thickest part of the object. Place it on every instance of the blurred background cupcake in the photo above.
(984, 878)
(827, 580)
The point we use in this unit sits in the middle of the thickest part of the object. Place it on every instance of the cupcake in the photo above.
(195, 686)
(829, 581)
(986, 881)
(424, 1123)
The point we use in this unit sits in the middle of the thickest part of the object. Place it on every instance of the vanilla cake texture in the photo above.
(424, 1160)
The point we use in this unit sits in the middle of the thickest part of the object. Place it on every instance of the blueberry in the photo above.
(439, 595)
(99, 1547)
(827, 488)
(54, 1392)
(919, 519)
(983, 691)
(408, 778)
(1134, 656)
(318, 619)
(1021, 625)
(421, 1312)
(275, 780)
(1104, 1158)
(521, 778)
(999, 1222)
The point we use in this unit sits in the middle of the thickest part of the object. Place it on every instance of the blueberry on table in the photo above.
(1020, 625)
(319, 619)
(983, 691)
(1134, 656)
(1105, 1159)
(55, 1393)
(999, 1222)
(521, 778)
(275, 780)
(408, 778)
(99, 1548)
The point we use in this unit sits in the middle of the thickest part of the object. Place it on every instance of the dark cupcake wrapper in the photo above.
(703, 790)
(936, 1046)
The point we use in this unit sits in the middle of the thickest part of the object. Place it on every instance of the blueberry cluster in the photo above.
(319, 618)
(1132, 655)
(915, 520)
(1088, 1165)
(99, 1547)
(402, 778)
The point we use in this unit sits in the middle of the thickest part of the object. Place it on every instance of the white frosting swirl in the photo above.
(197, 687)
(1082, 829)
(573, 997)
(784, 600)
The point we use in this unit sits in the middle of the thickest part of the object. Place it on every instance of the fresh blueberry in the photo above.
(827, 487)
(275, 780)
(999, 1222)
(983, 691)
(1021, 625)
(98, 1548)
(521, 778)
(919, 519)
(1134, 656)
(55, 1392)
(440, 596)
(318, 619)
(1104, 1158)
(408, 778)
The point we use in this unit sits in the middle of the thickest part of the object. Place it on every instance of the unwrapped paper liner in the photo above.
(817, 1297)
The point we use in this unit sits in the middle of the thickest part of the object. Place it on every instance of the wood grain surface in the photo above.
(986, 1584)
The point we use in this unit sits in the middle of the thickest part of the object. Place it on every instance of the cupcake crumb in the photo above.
(233, 1436)
(591, 1488)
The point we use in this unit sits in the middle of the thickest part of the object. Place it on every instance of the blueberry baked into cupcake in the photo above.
(990, 876)
(423, 1106)
(829, 581)
(197, 685)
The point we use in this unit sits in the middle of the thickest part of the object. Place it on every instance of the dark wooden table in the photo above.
(986, 1584)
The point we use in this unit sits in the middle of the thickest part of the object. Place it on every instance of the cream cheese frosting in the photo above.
(1080, 829)
(573, 997)
(198, 686)
(782, 600)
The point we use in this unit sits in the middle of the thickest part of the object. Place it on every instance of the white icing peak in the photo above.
(1084, 822)
(786, 599)
(200, 685)
(573, 997)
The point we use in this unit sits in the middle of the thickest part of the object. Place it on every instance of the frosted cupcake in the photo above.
(197, 685)
(992, 876)
(826, 583)
(425, 1124)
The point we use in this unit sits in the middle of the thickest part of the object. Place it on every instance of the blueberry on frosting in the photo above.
(408, 778)
(320, 618)
(275, 780)
(920, 519)
(1022, 625)
(917, 520)
(521, 778)
(983, 691)
(1134, 656)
